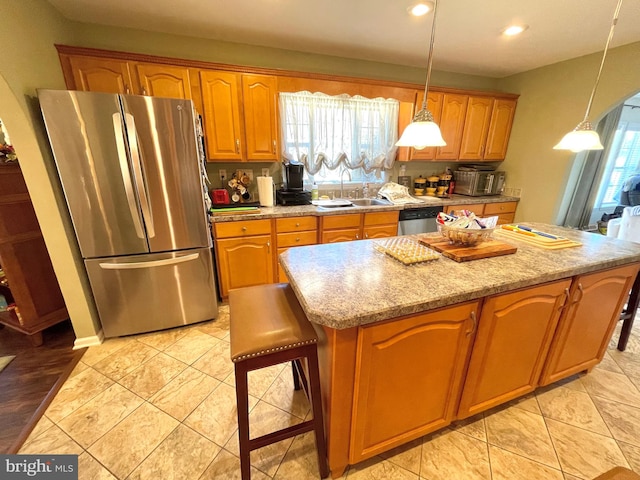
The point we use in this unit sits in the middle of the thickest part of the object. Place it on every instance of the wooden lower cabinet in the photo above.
(243, 262)
(584, 331)
(294, 232)
(506, 211)
(345, 228)
(409, 373)
(514, 334)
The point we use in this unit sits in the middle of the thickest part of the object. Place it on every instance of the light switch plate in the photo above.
(249, 174)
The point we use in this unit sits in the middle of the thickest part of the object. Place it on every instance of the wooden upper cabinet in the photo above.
(514, 334)
(454, 109)
(476, 126)
(259, 96)
(97, 74)
(434, 105)
(221, 114)
(587, 325)
(164, 81)
(500, 129)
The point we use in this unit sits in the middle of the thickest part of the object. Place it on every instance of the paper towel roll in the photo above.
(265, 191)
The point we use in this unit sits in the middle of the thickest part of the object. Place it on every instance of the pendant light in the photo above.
(584, 137)
(423, 131)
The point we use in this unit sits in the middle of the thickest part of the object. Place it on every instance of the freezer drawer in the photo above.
(144, 293)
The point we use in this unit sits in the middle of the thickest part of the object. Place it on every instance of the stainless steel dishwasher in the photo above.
(418, 220)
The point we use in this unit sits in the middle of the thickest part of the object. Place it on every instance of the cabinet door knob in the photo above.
(274, 146)
(297, 239)
(366, 235)
(244, 229)
(297, 224)
(237, 145)
(357, 237)
(127, 90)
(144, 91)
(268, 247)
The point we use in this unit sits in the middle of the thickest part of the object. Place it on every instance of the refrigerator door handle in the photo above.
(126, 175)
(137, 173)
(150, 264)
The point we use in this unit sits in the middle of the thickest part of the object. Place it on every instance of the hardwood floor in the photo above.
(28, 380)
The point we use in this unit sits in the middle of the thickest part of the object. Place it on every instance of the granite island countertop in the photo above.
(300, 210)
(343, 285)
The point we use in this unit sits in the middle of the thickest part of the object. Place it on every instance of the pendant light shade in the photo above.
(584, 137)
(423, 132)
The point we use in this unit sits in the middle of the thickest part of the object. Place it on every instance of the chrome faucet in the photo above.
(344, 169)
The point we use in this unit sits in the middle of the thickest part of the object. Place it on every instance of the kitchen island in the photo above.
(406, 350)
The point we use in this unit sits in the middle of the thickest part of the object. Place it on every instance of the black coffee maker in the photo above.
(293, 193)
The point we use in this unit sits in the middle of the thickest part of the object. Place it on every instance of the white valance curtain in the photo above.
(321, 130)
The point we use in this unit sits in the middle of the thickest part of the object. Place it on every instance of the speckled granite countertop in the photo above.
(297, 211)
(342, 285)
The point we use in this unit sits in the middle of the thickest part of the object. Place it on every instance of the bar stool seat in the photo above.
(268, 327)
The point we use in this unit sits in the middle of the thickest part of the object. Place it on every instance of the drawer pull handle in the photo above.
(237, 145)
(297, 239)
(581, 294)
(566, 298)
(244, 229)
(366, 235)
(357, 237)
(144, 91)
(274, 146)
(297, 224)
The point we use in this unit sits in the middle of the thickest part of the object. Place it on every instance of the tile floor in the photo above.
(162, 405)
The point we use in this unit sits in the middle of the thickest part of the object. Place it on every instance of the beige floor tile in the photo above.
(632, 454)
(527, 402)
(379, 469)
(100, 414)
(623, 421)
(90, 469)
(454, 455)
(219, 327)
(42, 426)
(614, 386)
(264, 419)
(126, 445)
(184, 454)
(472, 426)
(216, 417)
(509, 466)
(151, 376)
(572, 407)
(80, 367)
(261, 380)
(300, 461)
(582, 453)
(216, 362)
(76, 392)
(164, 338)
(406, 456)
(609, 364)
(54, 440)
(191, 347)
(281, 394)
(573, 382)
(184, 393)
(125, 360)
(571, 477)
(226, 466)
(523, 433)
(630, 365)
(94, 354)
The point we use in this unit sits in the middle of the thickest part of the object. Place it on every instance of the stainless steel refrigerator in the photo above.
(132, 169)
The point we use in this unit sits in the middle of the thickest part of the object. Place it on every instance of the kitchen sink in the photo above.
(368, 202)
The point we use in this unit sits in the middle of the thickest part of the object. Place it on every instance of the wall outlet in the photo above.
(222, 174)
(265, 172)
(517, 192)
(249, 174)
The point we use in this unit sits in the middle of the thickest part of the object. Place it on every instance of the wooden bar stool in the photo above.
(269, 327)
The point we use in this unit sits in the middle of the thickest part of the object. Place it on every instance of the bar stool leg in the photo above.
(316, 404)
(242, 399)
(629, 314)
(296, 378)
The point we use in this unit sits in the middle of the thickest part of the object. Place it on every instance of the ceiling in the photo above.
(467, 40)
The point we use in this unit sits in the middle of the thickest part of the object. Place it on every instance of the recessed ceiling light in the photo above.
(514, 30)
(420, 9)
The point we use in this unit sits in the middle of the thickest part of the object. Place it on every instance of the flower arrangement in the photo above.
(7, 153)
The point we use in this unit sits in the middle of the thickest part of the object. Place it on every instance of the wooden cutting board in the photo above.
(460, 253)
(540, 241)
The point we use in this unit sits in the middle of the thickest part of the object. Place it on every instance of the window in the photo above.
(328, 134)
(623, 163)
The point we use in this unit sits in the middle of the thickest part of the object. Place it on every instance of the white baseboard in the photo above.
(88, 341)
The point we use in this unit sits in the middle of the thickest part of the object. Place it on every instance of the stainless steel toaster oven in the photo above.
(477, 183)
